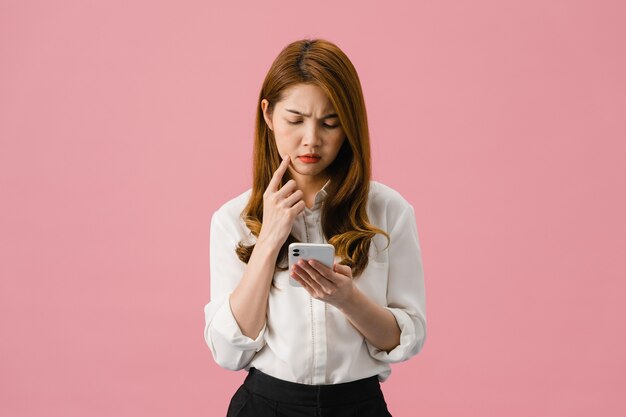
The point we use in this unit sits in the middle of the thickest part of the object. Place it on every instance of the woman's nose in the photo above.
(312, 136)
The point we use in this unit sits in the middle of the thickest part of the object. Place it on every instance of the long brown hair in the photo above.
(344, 219)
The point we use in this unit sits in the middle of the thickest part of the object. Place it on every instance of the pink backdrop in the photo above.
(125, 124)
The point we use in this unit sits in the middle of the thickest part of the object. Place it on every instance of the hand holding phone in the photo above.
(322, 252)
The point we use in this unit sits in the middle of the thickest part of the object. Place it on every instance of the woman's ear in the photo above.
(266, 116)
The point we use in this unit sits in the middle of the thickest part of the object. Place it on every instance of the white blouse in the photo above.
(306, 340)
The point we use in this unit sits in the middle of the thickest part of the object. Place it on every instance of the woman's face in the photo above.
(304, 122)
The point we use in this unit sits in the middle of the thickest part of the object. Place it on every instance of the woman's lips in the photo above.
(309, 159)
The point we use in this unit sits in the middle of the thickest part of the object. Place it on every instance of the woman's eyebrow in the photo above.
(328, 116)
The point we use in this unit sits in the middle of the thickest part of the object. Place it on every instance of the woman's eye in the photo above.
(300, 121)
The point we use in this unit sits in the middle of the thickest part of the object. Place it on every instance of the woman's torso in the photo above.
(309, 341)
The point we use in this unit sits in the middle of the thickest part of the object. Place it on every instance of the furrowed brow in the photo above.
(328, 116)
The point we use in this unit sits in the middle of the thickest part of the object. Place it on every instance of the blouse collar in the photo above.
(320, 196)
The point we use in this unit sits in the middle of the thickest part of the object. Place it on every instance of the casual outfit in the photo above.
(307, 347)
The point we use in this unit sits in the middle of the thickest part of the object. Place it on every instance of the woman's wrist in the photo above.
(267, 247)
(353, 303)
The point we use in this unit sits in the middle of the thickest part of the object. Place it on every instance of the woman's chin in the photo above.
(310, 170)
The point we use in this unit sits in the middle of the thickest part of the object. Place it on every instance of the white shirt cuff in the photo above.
(226, 326)
(408, 339)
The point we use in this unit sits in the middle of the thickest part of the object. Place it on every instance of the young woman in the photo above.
(322, 348)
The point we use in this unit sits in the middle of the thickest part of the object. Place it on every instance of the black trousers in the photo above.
(262, 395)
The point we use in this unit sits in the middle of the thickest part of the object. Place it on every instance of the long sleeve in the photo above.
(405, 290)
(231, 349)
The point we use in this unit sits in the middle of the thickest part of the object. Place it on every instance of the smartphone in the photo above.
(322, 252)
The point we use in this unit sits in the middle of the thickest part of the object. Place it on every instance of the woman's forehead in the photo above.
(304, 96)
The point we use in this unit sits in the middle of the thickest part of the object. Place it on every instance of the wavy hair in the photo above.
(344, 219)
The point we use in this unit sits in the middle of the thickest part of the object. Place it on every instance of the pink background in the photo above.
(124, 125)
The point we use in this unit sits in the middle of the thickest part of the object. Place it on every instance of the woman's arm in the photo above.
(393, 332)
(230, 348)
(236, 316)
(335, 286)
(226, 329)
(406, 297)
(376, 324)
(248, 301)
(280, 208)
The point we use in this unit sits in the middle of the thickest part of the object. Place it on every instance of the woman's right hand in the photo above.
(280, 207)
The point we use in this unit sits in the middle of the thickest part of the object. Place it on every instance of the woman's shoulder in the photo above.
(386, 208)
(230, 211)
(383, 198)
(236, 203)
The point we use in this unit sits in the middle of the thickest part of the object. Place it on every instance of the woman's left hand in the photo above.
(332, 285)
